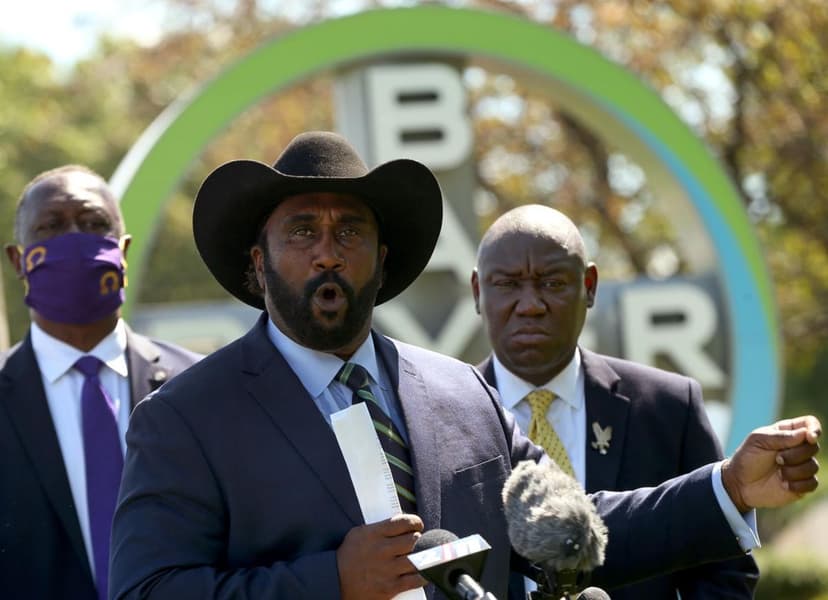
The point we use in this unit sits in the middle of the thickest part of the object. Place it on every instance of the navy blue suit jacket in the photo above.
(659, 430)
(42, 554)
(234, 485)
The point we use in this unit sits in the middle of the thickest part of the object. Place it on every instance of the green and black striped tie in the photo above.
(396, 450)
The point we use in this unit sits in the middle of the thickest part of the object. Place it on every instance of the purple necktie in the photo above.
(104, 462)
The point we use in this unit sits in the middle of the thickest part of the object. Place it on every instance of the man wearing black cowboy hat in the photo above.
(234, 483)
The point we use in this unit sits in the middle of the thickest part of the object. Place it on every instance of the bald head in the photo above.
(535, 221)
(532, 287)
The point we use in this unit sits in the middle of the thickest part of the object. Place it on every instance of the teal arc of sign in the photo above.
(152, 169)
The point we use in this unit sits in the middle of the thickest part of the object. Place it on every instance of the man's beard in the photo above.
(297, 313)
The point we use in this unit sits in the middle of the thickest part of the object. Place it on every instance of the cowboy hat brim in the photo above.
(234, 200)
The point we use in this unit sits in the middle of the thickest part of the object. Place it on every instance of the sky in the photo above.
(72, 27)
(67, 30)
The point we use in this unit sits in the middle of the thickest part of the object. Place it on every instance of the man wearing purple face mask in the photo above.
(66, 390)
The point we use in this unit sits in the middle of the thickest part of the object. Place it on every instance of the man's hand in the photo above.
(774, 465)
(372, 559)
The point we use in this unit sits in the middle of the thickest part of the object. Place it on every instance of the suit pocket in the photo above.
(472, 503)
(492, 469)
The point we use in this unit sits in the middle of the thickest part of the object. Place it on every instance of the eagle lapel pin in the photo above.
(602, 437)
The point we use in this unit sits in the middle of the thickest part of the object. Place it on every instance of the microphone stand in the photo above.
(560, 585)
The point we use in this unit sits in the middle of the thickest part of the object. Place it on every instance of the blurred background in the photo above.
(80, 82)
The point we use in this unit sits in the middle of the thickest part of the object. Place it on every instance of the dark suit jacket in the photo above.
(42, 554)
(234, 485)
(659, 431)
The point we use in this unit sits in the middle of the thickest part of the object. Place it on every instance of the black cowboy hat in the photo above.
(235, 199)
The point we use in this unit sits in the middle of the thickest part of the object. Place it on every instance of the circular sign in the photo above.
(592, 86)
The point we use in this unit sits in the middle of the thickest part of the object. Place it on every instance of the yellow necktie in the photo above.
(541, 431)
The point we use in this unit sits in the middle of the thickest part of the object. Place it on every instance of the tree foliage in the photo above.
(750, 77)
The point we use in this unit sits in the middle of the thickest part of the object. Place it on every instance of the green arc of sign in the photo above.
(154, 166)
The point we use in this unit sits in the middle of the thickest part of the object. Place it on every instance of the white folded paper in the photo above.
(369, 470)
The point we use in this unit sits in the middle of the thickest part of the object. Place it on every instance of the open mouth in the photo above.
(329, 297)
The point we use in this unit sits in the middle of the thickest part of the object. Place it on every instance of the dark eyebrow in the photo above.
(46, 212)
(554, 268)
(355, 218)
(298, 219)
(84, 208)
(504, 272)
(557, 267)
(96, 209)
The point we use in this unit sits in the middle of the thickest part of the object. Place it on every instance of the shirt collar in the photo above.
(317, 369)
(55, 357)
(513, 389)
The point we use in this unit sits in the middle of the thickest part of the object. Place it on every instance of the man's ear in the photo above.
(15, 258)
(257, 260)
(591, 283)
(475, 286)
(124, 242)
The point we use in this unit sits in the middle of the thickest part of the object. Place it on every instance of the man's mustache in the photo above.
(327, 277)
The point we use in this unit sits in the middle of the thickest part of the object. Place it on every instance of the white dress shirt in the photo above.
(317, 370)
(567, 413)
(63, 386)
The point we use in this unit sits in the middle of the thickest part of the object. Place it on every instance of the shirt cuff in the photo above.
(743, 525)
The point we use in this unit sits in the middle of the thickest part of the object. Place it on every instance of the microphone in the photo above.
(452, 564)
(553, 523)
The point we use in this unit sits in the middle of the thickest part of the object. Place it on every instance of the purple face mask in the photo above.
(75, 277)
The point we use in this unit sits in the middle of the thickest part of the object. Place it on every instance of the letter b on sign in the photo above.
(418, 112)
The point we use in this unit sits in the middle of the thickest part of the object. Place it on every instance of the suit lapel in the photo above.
(28, 411)
(486, 368)
(609, 409)
(407, 382)
(145, 372)
(271, 381)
